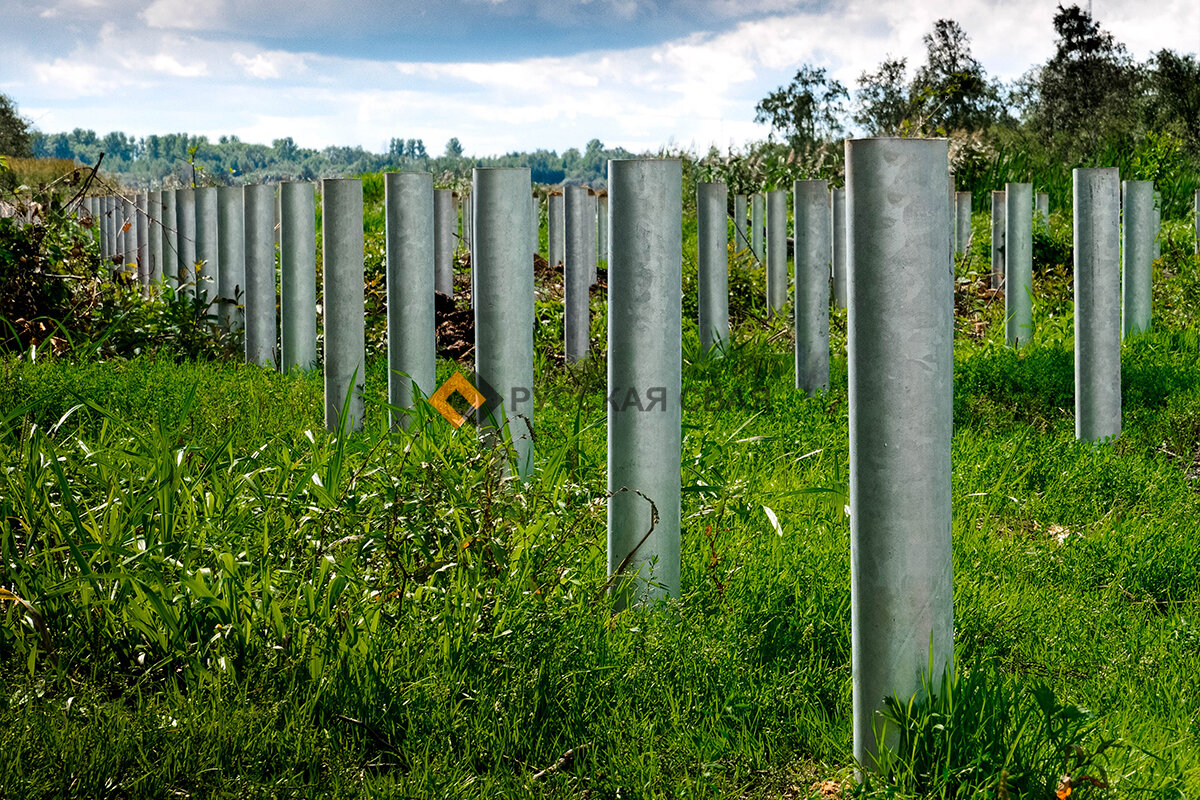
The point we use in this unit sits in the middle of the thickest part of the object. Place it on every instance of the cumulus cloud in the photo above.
(274, 64)
(168, 64)
(69, 78)
(185, 14)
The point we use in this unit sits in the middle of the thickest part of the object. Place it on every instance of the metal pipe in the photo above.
(900, 333)
(298, 275)
(840, 278)
(343, 301)
(170, 232)
(444, 223)
(962, 222)
(154, 206)
(117, 237)
(259, 204)
(503, 274)
(185, 209)
(412, 345)
(777, 261)
(999, 224)
(468, 221)
(756, 226)
(111, 242)
(579, 261)
(143, 242)
(535, 208)
(814, 226)
(208, 256)
(555, 228)
(712, 255)
(1097, 205)
(105, 237)
(128, 237)
(1018, 263)
(106, 234)
(1137, 255)
(741, 227)
(602, 224)
(593, 203)
(231, 258)
(644, 377)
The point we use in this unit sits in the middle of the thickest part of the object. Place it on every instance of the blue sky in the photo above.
(500, 75)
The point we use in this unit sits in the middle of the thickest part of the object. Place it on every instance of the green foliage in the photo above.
(47, 266)
(1175, 95)
(1090, 105)
(15, 134)
(768, 165)
(1084, 90)
(982, 164)
(195, 560)
(55, 296)
(979, 733)
(806, 111)
(882, 104)
(180, 159)
(1002, 386)
(951, 92)
(175, 323)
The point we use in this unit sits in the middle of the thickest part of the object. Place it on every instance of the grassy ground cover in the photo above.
(205, 595)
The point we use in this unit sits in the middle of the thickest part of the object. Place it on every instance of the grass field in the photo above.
(205, 595)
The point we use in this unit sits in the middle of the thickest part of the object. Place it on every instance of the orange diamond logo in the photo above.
(457, 384)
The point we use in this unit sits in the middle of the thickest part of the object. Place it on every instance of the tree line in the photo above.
(1090, 93)
(196, 160)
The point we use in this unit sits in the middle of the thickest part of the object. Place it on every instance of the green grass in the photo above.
(222, 600)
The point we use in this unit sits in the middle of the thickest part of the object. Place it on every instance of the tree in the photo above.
(1175, 95)
(85, 145)
(119, 147)
(454, 148)
(882, 102)
(544, 166)
(285, 149)
(16, 138)
(1090, 88)
(951, 90)
(807, 110)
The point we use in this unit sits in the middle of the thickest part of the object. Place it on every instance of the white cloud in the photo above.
(185, 14)
(66, 77)
(273, 64)
(170, 65)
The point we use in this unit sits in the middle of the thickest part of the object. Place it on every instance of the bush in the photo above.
(48, 267)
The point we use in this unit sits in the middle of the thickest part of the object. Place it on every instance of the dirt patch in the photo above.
(972, 304)
(455, 327)
(454, 317)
